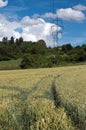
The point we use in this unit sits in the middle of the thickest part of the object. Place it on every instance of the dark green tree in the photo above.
(5, 40)
(17, 42)
(66, 48)
(20, 41)
(11, 41)
(39, 47)
(27, 62)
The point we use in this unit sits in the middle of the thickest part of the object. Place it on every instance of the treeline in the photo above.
(37, 54)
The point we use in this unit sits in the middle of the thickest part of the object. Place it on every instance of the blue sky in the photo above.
(51, 20)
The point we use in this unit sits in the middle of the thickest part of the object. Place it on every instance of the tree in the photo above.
(80, 55)
(84, 47)
(5, 40)
(19, 41)
(42, 43)
(66, 48)
(11, 42)
(27, 62)
(39, 47)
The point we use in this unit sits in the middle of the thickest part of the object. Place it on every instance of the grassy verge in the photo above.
(11, 64)
(15, 64)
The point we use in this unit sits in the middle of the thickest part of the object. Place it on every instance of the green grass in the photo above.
(15, 64)
(11, 64)
(43, 99)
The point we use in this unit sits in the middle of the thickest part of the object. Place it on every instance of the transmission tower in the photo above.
(57, 23)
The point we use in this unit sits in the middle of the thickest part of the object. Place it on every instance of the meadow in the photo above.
(43, 99)
(10, 64)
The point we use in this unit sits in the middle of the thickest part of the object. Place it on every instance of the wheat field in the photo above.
(43, 99)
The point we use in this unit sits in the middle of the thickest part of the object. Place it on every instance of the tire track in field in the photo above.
(19, 109)
(22, 91)
(70, 109)
(42, 89)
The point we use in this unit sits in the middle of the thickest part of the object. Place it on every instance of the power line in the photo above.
(57, 26)
(58, 22)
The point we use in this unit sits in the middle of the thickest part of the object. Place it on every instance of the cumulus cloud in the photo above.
(49, 15)
(7, 28)
(3, 3)
(80, 7)
(46, 15)
(28, 21)
(29, 28)
(75, 14)
(70, 14)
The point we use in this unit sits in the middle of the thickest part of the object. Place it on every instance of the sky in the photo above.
(57, 22)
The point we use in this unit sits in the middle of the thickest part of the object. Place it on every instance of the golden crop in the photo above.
(32, 96)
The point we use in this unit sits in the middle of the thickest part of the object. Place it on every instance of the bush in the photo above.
(27, 62)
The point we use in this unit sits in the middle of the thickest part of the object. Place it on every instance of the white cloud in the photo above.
(28, 21)
(49, 15)
(75, 14)
(29, 37)
(36, 16)
(46, 15)
(80, 7)
(7, 28)
(59, 35)
(3, 3)
(32, 29)
(70, 14)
